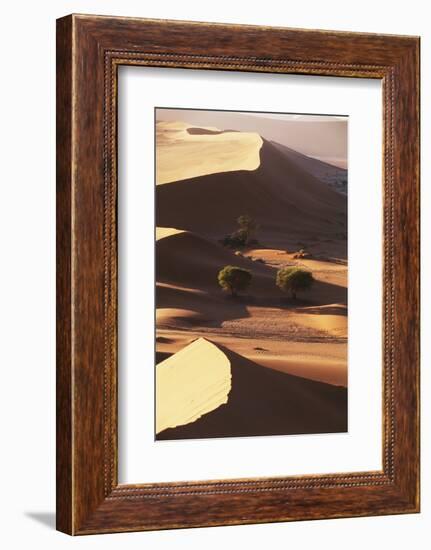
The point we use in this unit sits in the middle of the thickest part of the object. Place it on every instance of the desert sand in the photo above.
(321, 137)
(263, 401)
(187, 152)
(288, 358)
(186, 388)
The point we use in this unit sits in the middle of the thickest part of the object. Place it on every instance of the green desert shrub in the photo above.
(294, 279)
(236, 239)
(234, 279)
(243, 235)
(247, 227)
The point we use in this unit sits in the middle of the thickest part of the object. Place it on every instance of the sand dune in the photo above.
(191, 383)
(286, 358)
(191, 261)
(184, 152)
(323, 360)
(334, 176)
(164, 232)
(282, 197)
(332, 324)
(188, 294)
(264, 401)
(321, 137)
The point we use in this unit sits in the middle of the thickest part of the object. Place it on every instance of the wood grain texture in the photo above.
(64, 496)
(90, 49)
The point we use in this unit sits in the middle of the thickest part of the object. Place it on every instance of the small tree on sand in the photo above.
(234, 279)
(247, 227)
(243, 235)
(294, 279)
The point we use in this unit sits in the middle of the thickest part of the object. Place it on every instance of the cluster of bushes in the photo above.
(290, 280)
(244, 235)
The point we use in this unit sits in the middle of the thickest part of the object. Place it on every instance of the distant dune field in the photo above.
(322, 137)
(287, 359)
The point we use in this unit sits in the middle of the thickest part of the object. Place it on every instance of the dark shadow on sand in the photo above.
(279, 195)
(264, 401)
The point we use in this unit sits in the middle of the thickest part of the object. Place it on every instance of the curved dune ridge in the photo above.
(259, 363)
(332, 175)
(187, 259)
(184, 151)
(188, 293)
(323, 137)
(263, 401)
(191, 383)
(279, 194)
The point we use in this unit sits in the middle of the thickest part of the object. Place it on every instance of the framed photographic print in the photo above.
(237, 274)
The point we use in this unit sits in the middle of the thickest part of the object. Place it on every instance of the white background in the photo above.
(27, 122)
(141, 458)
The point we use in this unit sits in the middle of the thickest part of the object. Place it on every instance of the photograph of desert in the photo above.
(251, 274)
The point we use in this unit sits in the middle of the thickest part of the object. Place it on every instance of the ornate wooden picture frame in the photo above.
(89, 51)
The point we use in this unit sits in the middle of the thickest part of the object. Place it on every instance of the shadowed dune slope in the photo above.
(263, 401)
(182, 307)
(325, 137)
(191, 261)
(186, 272)
(328, 173)
(206, 131)
(279, 194)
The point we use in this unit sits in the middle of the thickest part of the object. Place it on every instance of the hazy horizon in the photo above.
(323, 137)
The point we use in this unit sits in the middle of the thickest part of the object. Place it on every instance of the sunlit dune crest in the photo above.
(185, 151)
(280, 195)
(163, 232)
(323, 137)
(192, 382)
(263, 361)
(265, 401)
